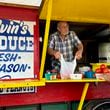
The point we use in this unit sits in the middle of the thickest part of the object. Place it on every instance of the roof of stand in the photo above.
(92, 11)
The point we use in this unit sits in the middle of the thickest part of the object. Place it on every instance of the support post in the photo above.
(49, 10)
(83, 96)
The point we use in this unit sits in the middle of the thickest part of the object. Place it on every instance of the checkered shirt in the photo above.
(65, 46)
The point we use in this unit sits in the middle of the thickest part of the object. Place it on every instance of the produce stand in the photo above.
(60, 10)
(70, 11)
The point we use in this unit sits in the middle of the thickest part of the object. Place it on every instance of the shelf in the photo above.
(70, 80)
(42, 82)
(22, 83)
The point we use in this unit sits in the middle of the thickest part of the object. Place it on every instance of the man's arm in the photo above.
(79, 51)
(51, 51)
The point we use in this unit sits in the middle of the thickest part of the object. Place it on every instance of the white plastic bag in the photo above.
(67, 68)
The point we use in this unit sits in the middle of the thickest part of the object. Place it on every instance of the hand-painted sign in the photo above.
(16, 49)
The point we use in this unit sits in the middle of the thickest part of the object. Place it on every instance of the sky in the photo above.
(23, 2)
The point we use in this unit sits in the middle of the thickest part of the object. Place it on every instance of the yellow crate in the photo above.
(97, 65)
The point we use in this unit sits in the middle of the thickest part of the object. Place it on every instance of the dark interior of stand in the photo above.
(91, 35)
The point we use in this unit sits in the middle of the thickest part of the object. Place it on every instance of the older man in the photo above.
(63, 42)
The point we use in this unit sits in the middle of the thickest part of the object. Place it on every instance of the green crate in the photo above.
(75, 105)
(32, 107)
(54, 106)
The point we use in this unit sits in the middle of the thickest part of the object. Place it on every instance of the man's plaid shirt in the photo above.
(66, 46)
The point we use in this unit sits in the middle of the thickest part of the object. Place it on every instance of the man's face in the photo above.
(63, 28)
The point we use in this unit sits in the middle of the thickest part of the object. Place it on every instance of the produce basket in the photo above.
(97, 65)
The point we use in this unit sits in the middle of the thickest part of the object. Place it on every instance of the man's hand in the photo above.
(54, 53)
(57, 55)
(78, 55)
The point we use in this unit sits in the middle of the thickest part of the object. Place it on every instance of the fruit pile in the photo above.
(102, 69)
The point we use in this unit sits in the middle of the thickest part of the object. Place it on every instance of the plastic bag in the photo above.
(67, 68)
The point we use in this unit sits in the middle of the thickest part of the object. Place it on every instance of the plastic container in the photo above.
(99, 76)
(76, 76)
(54, 76)
(48, 76)
(84, 69)
(90, 74)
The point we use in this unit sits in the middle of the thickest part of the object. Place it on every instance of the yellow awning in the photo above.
(93, 11)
